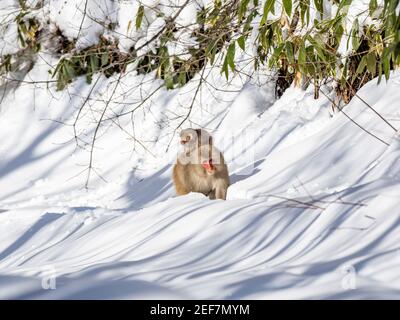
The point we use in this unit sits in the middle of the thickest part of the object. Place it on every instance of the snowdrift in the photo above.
(313, 211)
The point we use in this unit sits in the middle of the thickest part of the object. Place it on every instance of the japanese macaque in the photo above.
(200, 167)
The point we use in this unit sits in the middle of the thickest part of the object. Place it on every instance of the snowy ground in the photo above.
(313, 211)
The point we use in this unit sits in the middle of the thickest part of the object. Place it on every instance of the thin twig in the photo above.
(97, 129)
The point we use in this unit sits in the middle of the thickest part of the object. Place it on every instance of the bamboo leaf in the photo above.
(355, 37)
(386, 68)
(58, 67)
(318, 45)
(371, 63)
(225, 68)
(182, 78)
(373, 4)
(69, 70)
(302, 55)
(104, 58)
(339, 33)
(94, 63)
(360, 68)
(242, 9)
(247, 26)
(289, 52)
(241, 42)
(22, 26)
(139, 17)
(304, 12)
(209, 49)
(267, 8)
(274, 58)
(319, 5)
(344, 4)
(169, 82)
(379, 72)
(231, 56)
(287, 4)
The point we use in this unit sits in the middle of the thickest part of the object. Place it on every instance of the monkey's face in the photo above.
(188, 139)
(185, 139)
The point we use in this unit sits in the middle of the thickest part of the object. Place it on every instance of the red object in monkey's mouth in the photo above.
(208, 165)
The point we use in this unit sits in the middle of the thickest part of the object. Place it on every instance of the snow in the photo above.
(318, 204)
(126, 25)
(312, 212)
(143, 45)
(8, 30)
(82, 20)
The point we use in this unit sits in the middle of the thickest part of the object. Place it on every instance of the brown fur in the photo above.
(190, 176)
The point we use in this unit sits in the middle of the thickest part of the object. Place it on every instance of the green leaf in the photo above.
(210, 50)
(68, 70)
(371, 63)
(58, 67)
(139, 17)
(22, 26)
(344, 74)
(241, 42)
(344, 3)
(386, 68)
(182, 78)
(360, 68)
(302, 55)
(355, 37)
(242, 9)
(287, 4)
(231, 56)
(104, 58)
(213, 52)
(339, 32)
(319, 5)
(319, 46)
(225, 68)
(21, 39)
(304, 12)
(247, 26)
(289, 52)
(89, 78)
(94, 63)
(379, 73)
(274, 58)
(320, 41)
(373, 4)
(267, 8)
(169, 81)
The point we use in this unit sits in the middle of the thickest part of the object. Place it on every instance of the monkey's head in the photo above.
(191, 139)
(187, 136)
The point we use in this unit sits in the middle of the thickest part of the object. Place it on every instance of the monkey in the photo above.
(200, 167)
